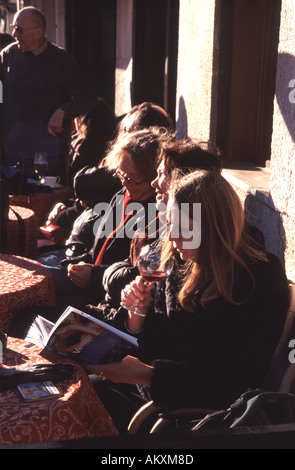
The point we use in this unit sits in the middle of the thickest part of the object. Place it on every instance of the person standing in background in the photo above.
(43, 90)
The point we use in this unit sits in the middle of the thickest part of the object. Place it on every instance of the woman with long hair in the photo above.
(185, 155)
(208, 332)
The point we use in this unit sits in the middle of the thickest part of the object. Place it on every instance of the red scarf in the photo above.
(107, 241)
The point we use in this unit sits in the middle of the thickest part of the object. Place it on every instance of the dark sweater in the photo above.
(34, 86)
(210, 356)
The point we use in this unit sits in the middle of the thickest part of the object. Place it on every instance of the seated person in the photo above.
(185, 154)
(188, 156)
(77, 269)
(208, 332)
(133, 158)
(89, 189)
(143, 116)
(140, 117)
(94, 131)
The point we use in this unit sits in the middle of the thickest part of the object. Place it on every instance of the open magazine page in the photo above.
(82, 337)
(39, 331)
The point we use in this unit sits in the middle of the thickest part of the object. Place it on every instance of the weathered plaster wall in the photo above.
(124, 59)
(261, 213)
(282, 185)
(195, 68)
(274, 213)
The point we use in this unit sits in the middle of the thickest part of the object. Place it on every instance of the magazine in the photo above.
(39, 331)
(80, 336)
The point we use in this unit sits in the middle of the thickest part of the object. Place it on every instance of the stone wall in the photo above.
(261, 213)
(274, 212)
(124, 59)
(195, 68)
(282, 184)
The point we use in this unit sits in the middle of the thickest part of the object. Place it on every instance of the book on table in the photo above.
(80, 336)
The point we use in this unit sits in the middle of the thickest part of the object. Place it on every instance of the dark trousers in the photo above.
(122, 401)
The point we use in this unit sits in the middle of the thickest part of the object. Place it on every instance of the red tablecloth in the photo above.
(23, 283)
(21, 235)
(78, 414)
(41, 203)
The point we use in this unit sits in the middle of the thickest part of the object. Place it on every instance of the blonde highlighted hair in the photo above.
(143, 146)
(224, 239)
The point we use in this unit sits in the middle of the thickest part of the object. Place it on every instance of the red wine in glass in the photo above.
(153, 277)
(152, 269)
(150, 265)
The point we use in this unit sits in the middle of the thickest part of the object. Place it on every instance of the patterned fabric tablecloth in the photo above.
(41, 203)
(21, 235)
(77, 414)
(23, 283)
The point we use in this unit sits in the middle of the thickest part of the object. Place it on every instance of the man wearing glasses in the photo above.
(43, 91)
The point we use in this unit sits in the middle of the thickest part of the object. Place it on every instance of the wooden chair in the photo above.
(153, 419)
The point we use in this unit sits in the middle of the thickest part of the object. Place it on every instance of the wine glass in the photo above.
(151, 268)
(150, 265)
(40, 164)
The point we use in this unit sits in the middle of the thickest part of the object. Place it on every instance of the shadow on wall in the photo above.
(181, 123)
(270, 222)
(285, 90)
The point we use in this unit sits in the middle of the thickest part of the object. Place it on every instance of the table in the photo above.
(23, 283)
(41, 203)
(21, 232)
(77, 414)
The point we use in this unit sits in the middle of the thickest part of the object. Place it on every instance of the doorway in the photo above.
(155, 53)
(91, 38)
(249, 35)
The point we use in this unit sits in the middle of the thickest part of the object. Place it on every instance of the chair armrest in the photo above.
(151, 418)
(141, 416)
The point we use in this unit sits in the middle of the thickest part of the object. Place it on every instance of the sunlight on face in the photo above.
(161, 185)
(130, 173)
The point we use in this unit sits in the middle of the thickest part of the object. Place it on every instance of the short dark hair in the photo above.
(188, 155)
(147, 115)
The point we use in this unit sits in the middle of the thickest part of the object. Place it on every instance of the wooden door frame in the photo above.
(245, 57)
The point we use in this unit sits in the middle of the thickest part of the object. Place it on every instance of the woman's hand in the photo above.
(130, 370)
(80, 274)
(136, 294)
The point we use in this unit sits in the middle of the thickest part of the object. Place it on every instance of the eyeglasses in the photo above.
(21, 30)
(129, 180)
